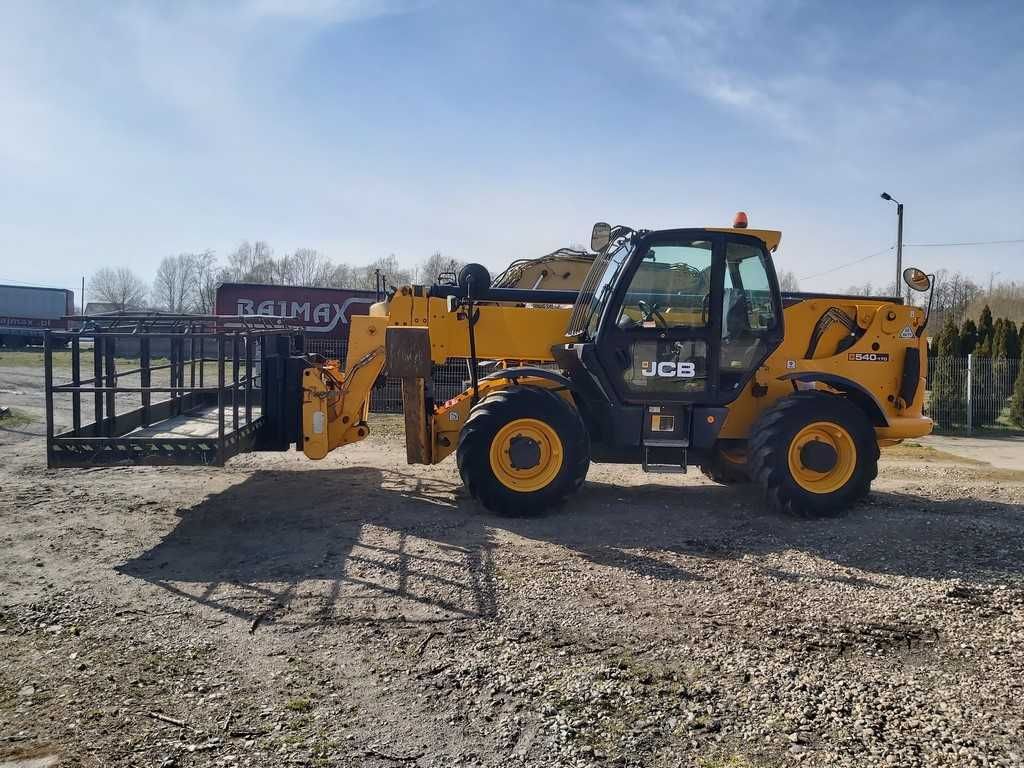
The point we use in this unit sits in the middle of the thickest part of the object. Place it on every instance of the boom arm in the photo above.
(336, 400)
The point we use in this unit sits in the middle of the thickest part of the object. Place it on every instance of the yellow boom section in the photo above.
(336, 399)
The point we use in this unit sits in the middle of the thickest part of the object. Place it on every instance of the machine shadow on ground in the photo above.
(361, 544)
(318, 547)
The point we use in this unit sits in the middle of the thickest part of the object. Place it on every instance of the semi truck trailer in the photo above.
(27, 312)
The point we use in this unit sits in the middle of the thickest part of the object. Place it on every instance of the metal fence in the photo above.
(971, 394)
(449, 379)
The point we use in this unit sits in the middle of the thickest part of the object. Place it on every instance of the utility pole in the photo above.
(991, 282)
(899, 239)
(899, 245)
(81, 298)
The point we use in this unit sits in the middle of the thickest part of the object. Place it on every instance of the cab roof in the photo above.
(771, 237)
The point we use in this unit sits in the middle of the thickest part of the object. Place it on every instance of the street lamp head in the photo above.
(886, 196)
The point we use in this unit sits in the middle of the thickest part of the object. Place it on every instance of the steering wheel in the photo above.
(650, 312)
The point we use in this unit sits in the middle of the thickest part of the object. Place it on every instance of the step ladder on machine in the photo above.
(665, 439)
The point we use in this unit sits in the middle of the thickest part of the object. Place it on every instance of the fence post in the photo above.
(970, 396)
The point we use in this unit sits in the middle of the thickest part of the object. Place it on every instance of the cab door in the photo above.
(659, 333)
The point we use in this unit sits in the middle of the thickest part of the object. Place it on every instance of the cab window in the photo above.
(670, 288)
(749, 312)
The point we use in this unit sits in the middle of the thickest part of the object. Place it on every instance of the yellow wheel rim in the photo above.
(735, 458)
(526, 455)
(833, 436)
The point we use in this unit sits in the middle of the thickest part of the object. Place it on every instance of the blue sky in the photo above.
(493, 131)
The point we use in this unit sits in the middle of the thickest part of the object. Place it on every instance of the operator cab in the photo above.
(671, 323)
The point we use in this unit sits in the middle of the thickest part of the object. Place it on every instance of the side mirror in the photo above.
(600, 236)
(916, 279)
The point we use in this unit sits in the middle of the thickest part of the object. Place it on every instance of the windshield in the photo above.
(597, 288)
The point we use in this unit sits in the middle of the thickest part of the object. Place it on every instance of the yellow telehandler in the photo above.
(666, 349)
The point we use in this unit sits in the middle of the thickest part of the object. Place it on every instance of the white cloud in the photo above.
(711, 49)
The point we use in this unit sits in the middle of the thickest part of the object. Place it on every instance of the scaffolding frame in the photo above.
(241, 402)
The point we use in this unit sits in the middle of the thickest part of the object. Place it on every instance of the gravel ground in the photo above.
(359, 612)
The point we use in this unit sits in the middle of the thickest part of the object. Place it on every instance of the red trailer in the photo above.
(324, 312)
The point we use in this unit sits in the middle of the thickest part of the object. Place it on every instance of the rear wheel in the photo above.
(813, 454)
(522, 451)
(727, 467)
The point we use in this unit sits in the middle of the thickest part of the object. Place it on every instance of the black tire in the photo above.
(773, 434)
(485, 422)
(720, 469)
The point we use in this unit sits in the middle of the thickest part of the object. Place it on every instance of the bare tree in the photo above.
(870, 289)
(205, 298)
(308, 267)
(866, 289)
(364, 278)
(118, 286)
(251, 263)
(956, 296)
(1004, 300)
(342, 276)
(174, 286)
(434, 265)
(788, 281)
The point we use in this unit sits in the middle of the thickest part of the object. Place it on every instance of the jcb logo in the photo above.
(869, 357)
(668, 370)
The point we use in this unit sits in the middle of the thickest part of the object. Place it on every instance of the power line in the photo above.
(945, 245)
(31, 285)
(910, 245)
(849, 263)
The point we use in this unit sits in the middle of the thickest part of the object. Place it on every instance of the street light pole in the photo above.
(899, 244)
(899, 239)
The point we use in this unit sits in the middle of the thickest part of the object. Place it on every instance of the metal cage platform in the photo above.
(169, 388)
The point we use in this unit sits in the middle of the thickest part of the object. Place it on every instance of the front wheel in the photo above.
(813, 454)
(522, 451)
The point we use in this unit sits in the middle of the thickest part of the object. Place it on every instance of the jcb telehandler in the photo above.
(677, 349)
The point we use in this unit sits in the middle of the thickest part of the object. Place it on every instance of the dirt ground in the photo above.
(359, 612)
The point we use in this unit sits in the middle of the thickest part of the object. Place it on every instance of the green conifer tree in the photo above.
(999, 333)
(1013, 352)
(947, 400)
(984, 401)
(949, 339)
(968, 337)
(1012, 340)
(1017, 403)
(985, 325)
(1001, 384)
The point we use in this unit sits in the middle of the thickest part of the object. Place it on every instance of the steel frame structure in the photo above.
(241, 401)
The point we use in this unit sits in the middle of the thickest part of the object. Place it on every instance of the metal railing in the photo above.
(971, 394)
(208, 364)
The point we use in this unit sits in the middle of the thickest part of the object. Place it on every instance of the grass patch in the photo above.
(16, 419)
(33, 358)
(29, 359)
(914, 451)
(733, 761)
(298, 705)
(911, 451)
